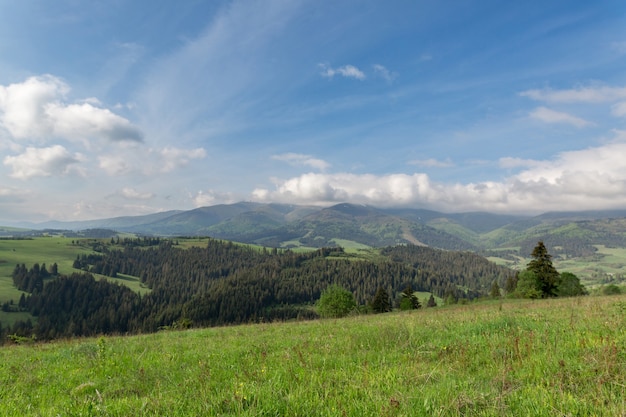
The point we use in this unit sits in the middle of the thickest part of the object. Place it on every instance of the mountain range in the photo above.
(351, 225)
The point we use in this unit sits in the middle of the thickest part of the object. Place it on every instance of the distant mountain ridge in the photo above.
(286, 225)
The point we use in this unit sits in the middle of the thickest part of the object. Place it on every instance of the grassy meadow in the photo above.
(559, 357)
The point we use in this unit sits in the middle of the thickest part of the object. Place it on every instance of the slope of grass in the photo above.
(544, 358)
(46, 250)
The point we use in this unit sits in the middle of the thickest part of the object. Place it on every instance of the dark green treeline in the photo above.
(227, 283)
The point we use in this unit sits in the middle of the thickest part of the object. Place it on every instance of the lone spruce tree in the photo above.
(548, 278)
(380, 302)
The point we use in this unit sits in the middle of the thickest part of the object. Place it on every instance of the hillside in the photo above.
(595, 239)
(225, 283)
(513, 358)
(282, 225)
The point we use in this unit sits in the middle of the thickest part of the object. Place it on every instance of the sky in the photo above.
(126, 107)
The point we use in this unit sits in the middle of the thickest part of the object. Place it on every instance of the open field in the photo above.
(561, 357)
(41, 250)
(48, 250)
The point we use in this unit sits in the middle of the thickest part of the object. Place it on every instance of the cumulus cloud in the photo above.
(43, 162)
(384, 73)
(36, 109)
(432, 163)
(297, 159)
(547, 115)
(348, 71)
(593, 178)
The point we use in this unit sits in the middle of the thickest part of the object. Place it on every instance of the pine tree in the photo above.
(548, 277)
(380, 302)
(431, 302)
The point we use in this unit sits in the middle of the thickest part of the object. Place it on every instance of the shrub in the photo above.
(611, 289)
(335, 301)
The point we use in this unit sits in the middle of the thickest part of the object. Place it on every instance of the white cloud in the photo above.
(383, 72)
(593, 94)
(593, 178)
(83, 121)
(36, 110)
(552, 116)
(132, 194)
(432, 163)
(43, 162)
(300, 159)
(349, 71)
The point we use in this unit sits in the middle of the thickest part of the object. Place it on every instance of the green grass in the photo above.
(516, 358)
(46, 250)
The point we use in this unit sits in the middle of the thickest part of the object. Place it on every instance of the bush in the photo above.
(335, 301)
(611, 289)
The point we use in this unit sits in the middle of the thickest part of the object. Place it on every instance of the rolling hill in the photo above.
(285, 225)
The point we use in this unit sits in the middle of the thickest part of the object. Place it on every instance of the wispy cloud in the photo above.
(384, 73)
(147, 162)
(592, 94)
(348, 71)
(132, 194)
(620, 47)
(510, 162)
(173, 158)
(547, 115)
(297, 159)
(432, 163)
(12, 193)
(619, 109)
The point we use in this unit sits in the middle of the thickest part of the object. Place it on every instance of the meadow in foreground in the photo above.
(564, 357)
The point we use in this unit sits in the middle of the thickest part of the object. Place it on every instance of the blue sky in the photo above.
(120, 107)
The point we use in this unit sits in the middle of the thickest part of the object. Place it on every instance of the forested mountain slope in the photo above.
(288, 226)
(230, 283)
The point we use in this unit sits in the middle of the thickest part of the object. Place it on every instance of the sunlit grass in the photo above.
(542, 358)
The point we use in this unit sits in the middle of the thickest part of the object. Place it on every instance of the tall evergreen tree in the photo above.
(431, 301)
(380, 302)
(548, 277)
